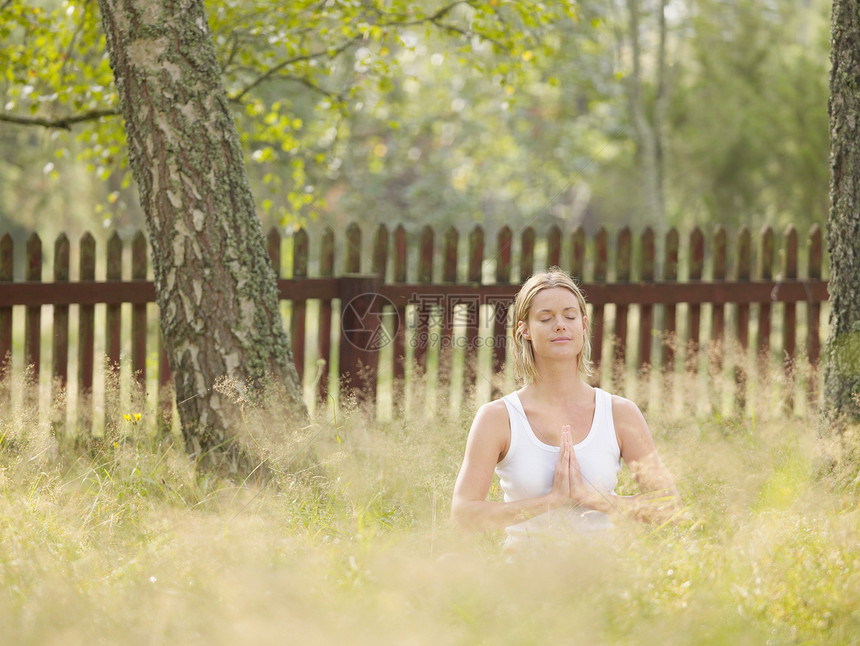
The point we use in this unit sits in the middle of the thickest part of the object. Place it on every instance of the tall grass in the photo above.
(342, 536)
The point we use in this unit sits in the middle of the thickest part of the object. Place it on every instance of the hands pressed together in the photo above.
(568, 489)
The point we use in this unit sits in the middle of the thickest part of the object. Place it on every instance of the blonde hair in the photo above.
(524, 358)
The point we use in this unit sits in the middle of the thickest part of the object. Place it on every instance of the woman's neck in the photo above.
(559, 383)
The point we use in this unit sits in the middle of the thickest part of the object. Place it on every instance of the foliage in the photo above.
(293, 73)
(448, 112)
(749, 112)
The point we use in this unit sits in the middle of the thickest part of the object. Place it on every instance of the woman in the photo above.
(557, 443)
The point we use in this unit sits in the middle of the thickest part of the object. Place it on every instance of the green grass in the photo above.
(125, 541)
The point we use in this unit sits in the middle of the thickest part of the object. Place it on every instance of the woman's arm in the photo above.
(659, 499)
(488, 442)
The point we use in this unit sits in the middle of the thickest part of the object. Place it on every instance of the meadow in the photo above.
(342, 536)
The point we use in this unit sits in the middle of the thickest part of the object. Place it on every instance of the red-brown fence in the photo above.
(403, 300)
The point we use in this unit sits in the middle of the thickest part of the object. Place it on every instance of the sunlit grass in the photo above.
(342, 536)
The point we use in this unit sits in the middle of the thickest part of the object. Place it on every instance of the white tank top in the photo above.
(528, 467)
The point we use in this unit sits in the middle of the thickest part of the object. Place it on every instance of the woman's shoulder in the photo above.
(624, 409)
(493, 411)
(491, 427)
(629, 421)
(492, 418)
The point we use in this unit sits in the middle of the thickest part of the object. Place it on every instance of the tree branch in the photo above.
(231, 54)
(68, 54)
(468, 34)
(435, 19)
(400, 19)
(65, 123)
(296, 59)
(337, 96)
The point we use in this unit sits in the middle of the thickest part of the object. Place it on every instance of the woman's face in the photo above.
(556, 326)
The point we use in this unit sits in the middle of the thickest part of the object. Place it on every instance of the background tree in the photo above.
(842, 374)
(448, 112)
(218, 304)
(747, 123)
(215, 287)
(647, 117)
(295, 75)
(483, 112)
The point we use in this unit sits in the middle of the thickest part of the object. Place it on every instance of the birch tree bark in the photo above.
(216, 290)
(842, 369)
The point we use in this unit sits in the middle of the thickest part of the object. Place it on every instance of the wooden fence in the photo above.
(404, 304)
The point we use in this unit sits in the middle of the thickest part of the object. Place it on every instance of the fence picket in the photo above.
(764, 308)
(744, 273)
(670, 275)
(399, 350)
(716, 347)
(113, 315)
(527, 253)
(646, 317)
(425, 307)
(500, 309)
(399, 271)
(33, 315)
(718, 314)
(86, 332)
(379, 259)
(358, 355)
(60, 339)
(473, 306)
(601, 243)
(379, 267)
(352, 263)
(7, 264)
(623, 262)
(438, 306)
(476, 254)
(273, 249)
(446, 334)
(789, 315)
(813, 316)
(113, 331)
(298, 312)
(696, 265)
(553, 246)
(577, 254)
(138, 310)
(326, 271)
(60, 345)
(351, 302)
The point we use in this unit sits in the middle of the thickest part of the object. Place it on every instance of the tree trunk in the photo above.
(842, 369)
(649, 133)
(215, 287)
